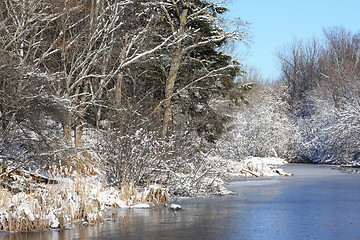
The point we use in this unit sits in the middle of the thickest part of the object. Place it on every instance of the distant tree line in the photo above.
(312, 113)
(323, 79)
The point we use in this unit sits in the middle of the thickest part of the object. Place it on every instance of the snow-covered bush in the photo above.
(134, 156)
(262, 128)
(332, 133)
(32, 120)
(177, 162)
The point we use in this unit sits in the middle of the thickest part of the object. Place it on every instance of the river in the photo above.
(318, 202)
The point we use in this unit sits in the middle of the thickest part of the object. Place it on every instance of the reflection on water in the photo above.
(317, 203)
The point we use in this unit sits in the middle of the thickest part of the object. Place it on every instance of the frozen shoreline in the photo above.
(88, 200)
(257, 167)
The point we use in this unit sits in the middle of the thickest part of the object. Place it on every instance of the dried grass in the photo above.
(73, 163)
(54, 206)
(155, 195)
(57, 205)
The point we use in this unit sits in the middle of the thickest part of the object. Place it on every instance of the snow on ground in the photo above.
(256, 167)
(142, 205)
(175, 207)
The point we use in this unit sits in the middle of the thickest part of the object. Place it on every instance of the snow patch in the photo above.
(53, 221)
(26, 209)
(256, 167)
(141, 205)
(175, 207)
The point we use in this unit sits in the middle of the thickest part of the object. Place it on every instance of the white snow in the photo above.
(270, 161)
(141, 205)
(175, 207)
(54, 222)
(26, 209)
(256, 166)
(110, 197)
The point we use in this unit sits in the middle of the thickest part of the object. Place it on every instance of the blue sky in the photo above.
(275, 23)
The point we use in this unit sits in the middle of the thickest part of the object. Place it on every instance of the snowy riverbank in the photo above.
(85, 199)
(58, 203)
(257, 167)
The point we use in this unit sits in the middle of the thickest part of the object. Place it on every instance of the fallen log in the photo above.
(251, 172)
(43, 179)
(14, 174)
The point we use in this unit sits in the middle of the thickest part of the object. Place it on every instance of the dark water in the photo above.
(317, 203)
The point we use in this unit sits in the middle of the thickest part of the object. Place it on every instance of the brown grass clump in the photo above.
(57, 205)
(53, 206)
(156, 195)
(151, 194)
(129, 193)
(75, 162)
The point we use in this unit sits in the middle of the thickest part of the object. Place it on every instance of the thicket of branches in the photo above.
(311, 114)
(116, 67)
(323, 79)
(263, 127)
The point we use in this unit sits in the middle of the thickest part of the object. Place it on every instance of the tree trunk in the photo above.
(80, 114)
(173, 73)
(67, 132)
(118, 89)
(119, 80)
(169, 90)
(79, 129)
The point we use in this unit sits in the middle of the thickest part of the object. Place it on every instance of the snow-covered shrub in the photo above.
(134, 156)
(262, 128)
(32, 121)
(332, 133)
(177, 163)
(32, 115)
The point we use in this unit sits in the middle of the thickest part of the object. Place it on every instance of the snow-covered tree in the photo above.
(323, 79)
(194, 66)
(261, 128)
